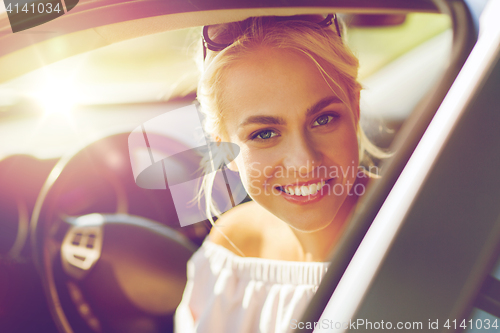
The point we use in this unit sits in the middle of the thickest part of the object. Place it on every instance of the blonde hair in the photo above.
(323, 45)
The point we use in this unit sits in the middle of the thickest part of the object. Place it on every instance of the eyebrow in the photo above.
(270, 120)
(323, 103)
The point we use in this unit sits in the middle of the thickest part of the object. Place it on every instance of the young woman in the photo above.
(285, 91)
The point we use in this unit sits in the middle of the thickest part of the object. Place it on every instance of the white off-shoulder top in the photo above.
(226, 293)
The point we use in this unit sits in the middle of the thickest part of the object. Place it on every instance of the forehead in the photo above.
(271, 81)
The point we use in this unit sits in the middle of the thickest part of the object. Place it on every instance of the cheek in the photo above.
(352, 148)
(350, 155)
(341, 154)
(350, 159)
(255, 168)
(341, 144)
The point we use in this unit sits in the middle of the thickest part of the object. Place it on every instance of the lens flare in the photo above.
(57, 97)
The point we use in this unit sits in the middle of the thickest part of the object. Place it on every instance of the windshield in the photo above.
(115, 88)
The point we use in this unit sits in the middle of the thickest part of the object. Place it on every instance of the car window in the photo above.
(59, 109)
(146, 76)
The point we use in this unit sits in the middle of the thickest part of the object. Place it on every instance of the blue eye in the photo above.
(323, 120)
(264, 135)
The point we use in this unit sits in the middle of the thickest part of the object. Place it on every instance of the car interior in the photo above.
(84, 248)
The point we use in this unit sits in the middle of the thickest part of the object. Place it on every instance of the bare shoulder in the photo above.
(243, 226)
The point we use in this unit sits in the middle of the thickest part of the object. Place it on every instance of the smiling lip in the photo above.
(303, 183)
(303, 200)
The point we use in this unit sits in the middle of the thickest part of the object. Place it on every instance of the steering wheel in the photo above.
(111, 256)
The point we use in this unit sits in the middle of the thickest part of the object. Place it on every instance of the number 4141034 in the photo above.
(472, 324)
(34, 8)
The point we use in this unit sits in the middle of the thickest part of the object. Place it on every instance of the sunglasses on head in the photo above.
(225, 41)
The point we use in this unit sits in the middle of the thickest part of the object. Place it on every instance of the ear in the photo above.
(231, 165)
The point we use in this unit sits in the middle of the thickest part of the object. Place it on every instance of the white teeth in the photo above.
(304, 190)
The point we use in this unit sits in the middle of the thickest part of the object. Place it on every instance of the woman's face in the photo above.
(295, 136)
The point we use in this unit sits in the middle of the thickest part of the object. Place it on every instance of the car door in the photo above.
(428, 260)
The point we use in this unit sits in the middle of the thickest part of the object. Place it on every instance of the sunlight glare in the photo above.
(57, 97)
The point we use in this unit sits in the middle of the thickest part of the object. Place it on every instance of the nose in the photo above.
(302, 156)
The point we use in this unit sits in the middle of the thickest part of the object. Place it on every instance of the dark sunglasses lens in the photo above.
(219, 36)
(309, 18)
(224, 34)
